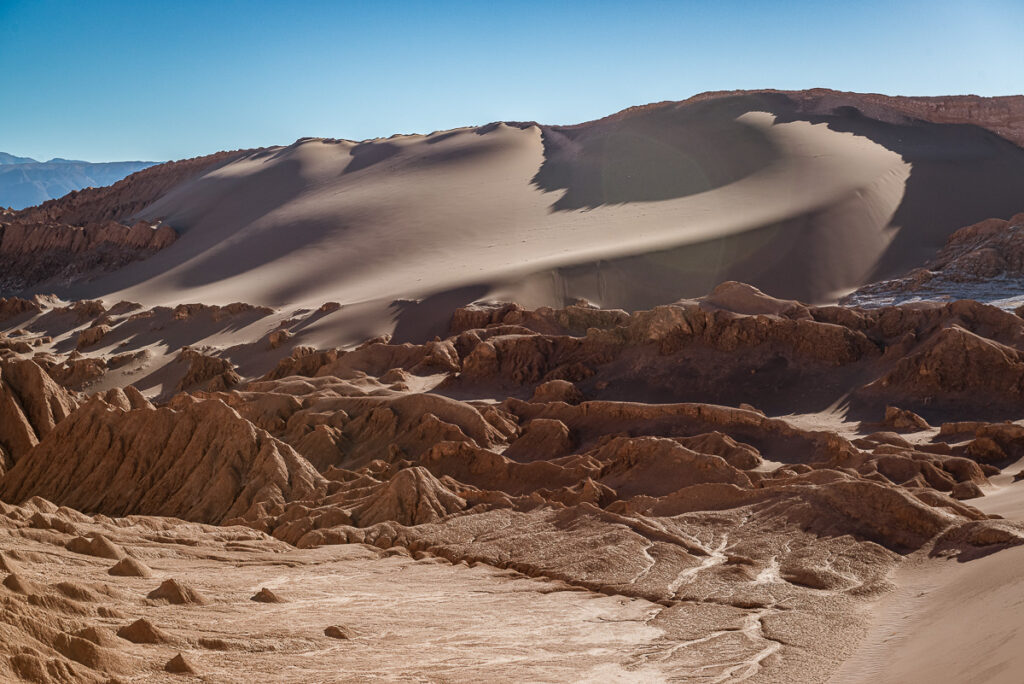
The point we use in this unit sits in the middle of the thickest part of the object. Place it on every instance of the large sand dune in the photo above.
(644, 207)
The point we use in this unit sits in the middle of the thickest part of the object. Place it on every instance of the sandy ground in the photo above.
(409, 620)
(948, 621)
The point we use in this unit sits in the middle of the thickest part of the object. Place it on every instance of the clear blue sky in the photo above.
(104, 80)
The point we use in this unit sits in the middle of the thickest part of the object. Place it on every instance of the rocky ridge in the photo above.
(84, 234)
(984, 261)
(54, 254)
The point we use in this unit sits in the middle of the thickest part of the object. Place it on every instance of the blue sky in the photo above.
(105, 80)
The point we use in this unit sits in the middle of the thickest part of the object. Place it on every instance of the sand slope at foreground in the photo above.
(952, 622)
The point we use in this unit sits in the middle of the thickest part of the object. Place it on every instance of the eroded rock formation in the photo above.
(1001, 115)
(984, 260)
(196, 460)
(531, 445)
(31, 404)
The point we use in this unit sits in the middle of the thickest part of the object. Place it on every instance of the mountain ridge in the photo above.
(26, 182)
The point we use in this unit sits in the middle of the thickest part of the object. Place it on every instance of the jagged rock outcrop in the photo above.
(411, 497)
(11, 307)
(655, 467)
(541, 439)
(336, 422)
(21, 238)
(74, 372)
(196, 460)
(205, 372)
(91, 336)
(555, 443)
(955, 365)
(31, 404)
(901, 419)
(557, 390)
(792, 358)
(982, 260)
(59, 253)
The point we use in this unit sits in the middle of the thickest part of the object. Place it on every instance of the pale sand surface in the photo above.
(442, 220)
(948, 621)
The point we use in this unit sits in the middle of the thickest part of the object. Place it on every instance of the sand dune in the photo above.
(641, 208)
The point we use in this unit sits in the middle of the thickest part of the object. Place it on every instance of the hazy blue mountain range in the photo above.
(25, 182)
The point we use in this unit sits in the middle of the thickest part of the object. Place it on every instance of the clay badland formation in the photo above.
(481, 404)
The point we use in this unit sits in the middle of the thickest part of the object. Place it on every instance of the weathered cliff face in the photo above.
(31, 404)
(198, 460)
(52, 254)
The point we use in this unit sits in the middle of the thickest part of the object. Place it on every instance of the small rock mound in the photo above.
(20, 585)
(101, 636)
(412, 497)
(177, 593)
(129, 567)
(143, 631)
(902, 419)
(98, 546)
(557, 390)
(338, 632)
(264, 595)
(179, 665)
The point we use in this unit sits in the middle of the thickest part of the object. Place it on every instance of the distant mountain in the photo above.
(11, 159)
(25, 182)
